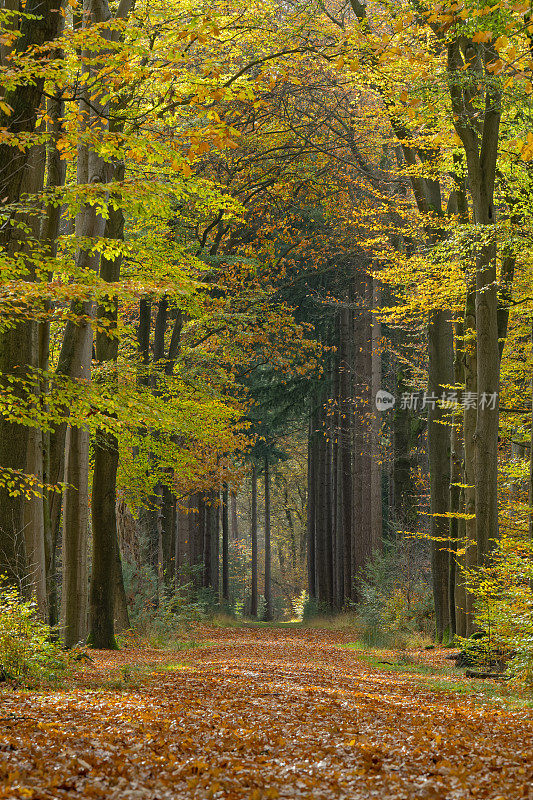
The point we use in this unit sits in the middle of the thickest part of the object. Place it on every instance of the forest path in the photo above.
(259, 713)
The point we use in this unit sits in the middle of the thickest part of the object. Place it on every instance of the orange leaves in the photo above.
(310, 719)
(482, 36)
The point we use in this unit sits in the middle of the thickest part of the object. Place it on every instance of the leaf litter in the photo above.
(258, 714)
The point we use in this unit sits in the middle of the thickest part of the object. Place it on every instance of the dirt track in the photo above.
(259, 714)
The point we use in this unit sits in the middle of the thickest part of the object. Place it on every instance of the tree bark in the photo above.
(254, 593)
(479, 134)
(363, 450)
(102, 633)
(469, 429)
(53, 459)
(311, 510)
(168, 537)
(91, 225)
(375, 477)
(233, 515)
(215, 544)
(321, 520)
(225, 545)
(208, 549)
(22, 546)
(440, 345)
(75, 539)
(120, 603)
(456, 577)
(357, 460)
(40, 24)
(268, 550)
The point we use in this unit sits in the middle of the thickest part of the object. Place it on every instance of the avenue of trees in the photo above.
(225, 231)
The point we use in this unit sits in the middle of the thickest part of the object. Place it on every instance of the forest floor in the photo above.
(266, 713)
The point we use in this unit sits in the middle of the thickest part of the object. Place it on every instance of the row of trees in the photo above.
(125, 334)
(221, 227)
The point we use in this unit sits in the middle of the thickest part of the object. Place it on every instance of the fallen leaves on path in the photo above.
(259, 714)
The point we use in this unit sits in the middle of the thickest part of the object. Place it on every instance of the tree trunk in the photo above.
(40, 24)
(34, 541)
(375, 478)
(75, 536)
(268, 551)
(53, 464)
(225, 546)
(487, 423)
(208, 549)
(254, 597)
(363, 449)
(367, 412)
(182, 543)
(311, 511)
(215, 544)
(120, 603)
(469, 430)
(106, 445)
(195, 532)
(357, 460)
(460, 586)
(456, 577)
(143, 340)
(233, 515)
(440, 345)
(92, 225)
(321, 521)
(339, 518)
(22, 545)
(168, 538)
(479, 134)
(102, 633)
(329, 532)
(346, 451)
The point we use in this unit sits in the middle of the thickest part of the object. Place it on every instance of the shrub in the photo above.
(396, 603)
(28, 650)
(504, 607)
(170, 619)
(300, 605)
(313, 609)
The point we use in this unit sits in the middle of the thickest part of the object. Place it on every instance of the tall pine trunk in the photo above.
(375, 478)
(268, 549)
(225, 546)
(254, 593)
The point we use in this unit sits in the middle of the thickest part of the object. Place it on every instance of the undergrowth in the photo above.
(30, 652)
(444, 679)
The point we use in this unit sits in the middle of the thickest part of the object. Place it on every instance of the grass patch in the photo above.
(335, 622)
(446, 679)
(229, 621)
(489, 692)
